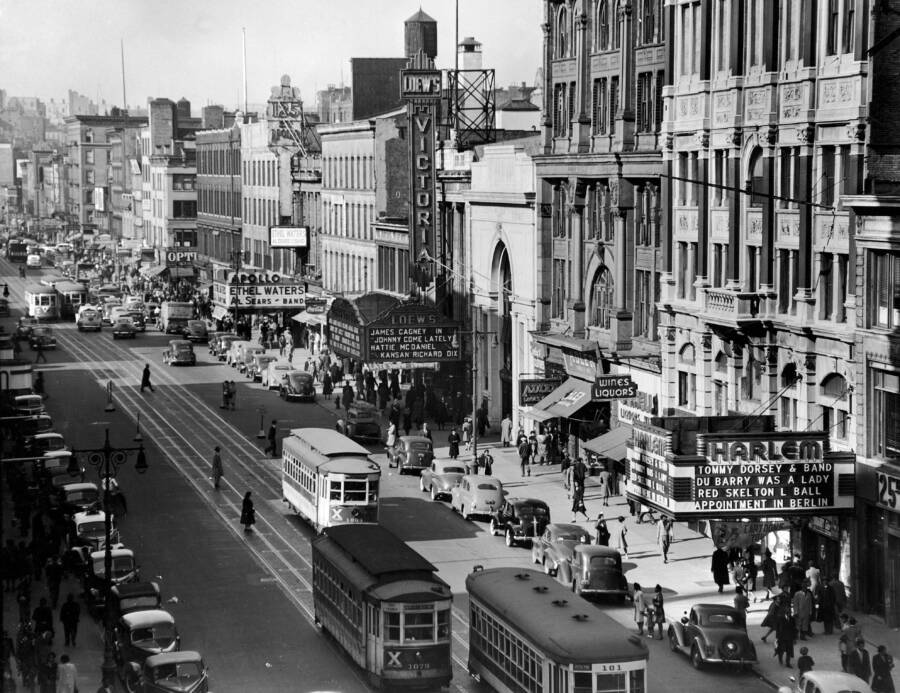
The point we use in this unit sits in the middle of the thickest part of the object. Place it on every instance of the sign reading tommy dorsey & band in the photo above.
(695, 473)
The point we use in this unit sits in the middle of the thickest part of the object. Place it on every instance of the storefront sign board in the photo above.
(888, 490)
(608, 387)
(262, 296)
(533, 390)
(412, 333)
(580, 366)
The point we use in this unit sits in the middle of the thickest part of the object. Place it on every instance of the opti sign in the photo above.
(613, 387)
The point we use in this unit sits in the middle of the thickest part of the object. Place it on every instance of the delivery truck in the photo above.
(174, 316)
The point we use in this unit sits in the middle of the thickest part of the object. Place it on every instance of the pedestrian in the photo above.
(145, 379)
(802, 606)
(605, 485)
(347, 396)
(43, 618)
(741, 603)
(487, 461)
(453, 442)
(578, 503)
(659, 612)
(850, 631)
(719, 567)
(282, 343)
(770, 620)
(54, 572)
(882, 663)
(506, 431)
(39, 349)
(785, 637)
(69, 615)
(248, 513)
(640, 607)
(804, 661)
(770, 573)
(664, 532)
(272, 437)
(232, 394)
(579, 474)
(391, 438)
(858, 662)
(826, 606)
(525, 457)
(426, 432)
(621, 542)
(814, 575)
(48, 672)
(467, 433)
(225, 393)
(601, 531)
(840, 598)
(217, 471)
(67, 676)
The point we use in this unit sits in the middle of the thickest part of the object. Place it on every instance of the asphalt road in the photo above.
(244, 601)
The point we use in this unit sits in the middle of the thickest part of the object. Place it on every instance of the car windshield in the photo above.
(532, 510)
(719, 619)
(300, 379)
(487, 486)
(86, 495)
(570, 536)
(159, 635)
(183, 348)
(43, 331)
(121, 566)
(452, 470)
(91, 527)
(420, 447)
(603, 562)
(184, 673)
(136, 603)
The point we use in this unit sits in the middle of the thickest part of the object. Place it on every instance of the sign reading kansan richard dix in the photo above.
(412, 333)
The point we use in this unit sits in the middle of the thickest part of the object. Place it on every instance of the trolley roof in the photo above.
(33, 288)
(65, 287)
(563, 625)
(328, 442)
(376, 550)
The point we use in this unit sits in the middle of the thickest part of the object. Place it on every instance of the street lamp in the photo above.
(107, 460)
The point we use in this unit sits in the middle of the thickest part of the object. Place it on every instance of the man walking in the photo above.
(69, 615)
(604, 484)
(524, 455)
(621, 542)
(506, 431)
(273, 439)
(217, 472)
(39, 348)
(858, 662)
(145, 379)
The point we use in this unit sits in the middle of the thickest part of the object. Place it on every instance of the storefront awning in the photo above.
(310, 318)
(177, 272)
(536, 414)
(567, 399)
(153, 271)
(611, 444)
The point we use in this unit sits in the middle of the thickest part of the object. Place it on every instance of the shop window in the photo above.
(885, 290)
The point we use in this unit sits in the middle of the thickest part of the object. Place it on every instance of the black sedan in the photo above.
(297, 385)
(196, 331)
(124, 329)
(42, 336)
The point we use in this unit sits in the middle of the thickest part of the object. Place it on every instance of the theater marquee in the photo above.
(751, 475)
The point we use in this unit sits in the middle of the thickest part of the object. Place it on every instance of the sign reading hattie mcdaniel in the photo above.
(412, 333)
(734, 474)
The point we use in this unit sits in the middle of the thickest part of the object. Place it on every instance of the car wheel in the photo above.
(495, 530)
(132, 682)
(696, 657)
(673, 640)
(433, 494)
(510, 539)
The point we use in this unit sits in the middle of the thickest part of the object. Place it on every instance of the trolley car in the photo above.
(384, 604)
(42, 302)
(72, 295)
(328, 479)
(529, 634)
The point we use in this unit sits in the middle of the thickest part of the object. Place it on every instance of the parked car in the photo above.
(712, 634)
(24, 327)
(595, 571)
(517, 519)
(234, 351)
(440, 478)
(41, 443)
(134, 596)
(411, 454)
(88, 529)
(822, 681)
(142, 634)
(297, 385)
(258, 365)
(222, 345)
(180, 353)
(196, 331)
(246, 356)
(271, 378)
(360, 422)
(476, 495)
(124, 569)
(555, 545)
(32, 425)
(43, 336)
(110, 307)
(29, 405)
(78, 496)
(170, 672)
(123, 328)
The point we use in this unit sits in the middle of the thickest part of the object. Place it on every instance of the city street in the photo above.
(244, 601)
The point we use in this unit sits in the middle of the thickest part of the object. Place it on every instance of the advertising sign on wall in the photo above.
(345, 330)
(180, 257)
(263, 290)
(412, 333)
(607, 387)
(532, 391)
(888, 490)
(288, 237)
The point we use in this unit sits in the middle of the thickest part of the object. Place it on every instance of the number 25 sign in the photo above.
(888, 491)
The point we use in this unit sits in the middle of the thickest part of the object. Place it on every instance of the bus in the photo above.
(41, 302)
(328, 479)
(384, 604)
(530, 634)
(16, 250)
(72, 295)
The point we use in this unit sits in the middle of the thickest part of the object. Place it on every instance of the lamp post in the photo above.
(108, 460)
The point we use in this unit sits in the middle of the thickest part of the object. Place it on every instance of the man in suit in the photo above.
(858, 661)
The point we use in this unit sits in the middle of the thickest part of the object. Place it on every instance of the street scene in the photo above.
(550, 347)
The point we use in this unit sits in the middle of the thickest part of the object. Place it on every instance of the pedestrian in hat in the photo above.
(602, 531)
(882, 663)
(858, 662)
(217, 472)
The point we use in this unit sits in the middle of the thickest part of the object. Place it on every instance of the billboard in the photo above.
(412, 333)
(262, 290)
(533, 390)
(288, 237)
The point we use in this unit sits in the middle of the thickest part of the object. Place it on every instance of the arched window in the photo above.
(603, 295)
(687, 378)
(616, 33)
(757, 189)
(648, 21)
(601, 42)
(835, 402)
(563, 39)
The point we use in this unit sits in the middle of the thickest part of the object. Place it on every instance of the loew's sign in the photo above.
(613, 387)
(412, 333)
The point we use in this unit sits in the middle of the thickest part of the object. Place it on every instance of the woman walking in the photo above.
(659, 612)
(770, 574)
(640, 607)
(664, 534)
(453, 442)
(248, 513)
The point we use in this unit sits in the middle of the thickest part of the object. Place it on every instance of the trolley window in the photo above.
(354, 491)
(417, 626)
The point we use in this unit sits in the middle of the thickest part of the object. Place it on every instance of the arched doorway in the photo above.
(502, 284)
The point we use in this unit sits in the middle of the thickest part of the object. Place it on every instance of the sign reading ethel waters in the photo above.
(412, 333)
(263, 290)
(288, 237)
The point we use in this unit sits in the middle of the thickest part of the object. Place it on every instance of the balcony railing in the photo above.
(732, 306)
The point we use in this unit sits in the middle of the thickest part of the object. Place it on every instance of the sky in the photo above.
(192, 48)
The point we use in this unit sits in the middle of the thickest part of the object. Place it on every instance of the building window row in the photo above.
(605, 103)
(348, 172)
(259, 212)
(258, 172)
(563, 108)
(218, 161)
(393, 269)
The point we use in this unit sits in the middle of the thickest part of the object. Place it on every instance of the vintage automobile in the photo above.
(360, 422)
(134, 596)
(123, 328)
(78, 496)
(142, 634)
(196, 331)
(271, 377)
(25, 326)
(297, 385)
(595, 571)
(829, 682)
(169, 672)
(518, 519)
(29, 405)
(234, 351)
(476, 496)
(411, 454)
(247, 353)
(223, 345)
(88, 529)
(124, 569)
(180, 353)
(89, 318)
(43, 336)
(258, 366)
(440, 478)
(110, 307)
(555, 545)
(712, 634)
(32, 425)
(41, 443)
(137, 317)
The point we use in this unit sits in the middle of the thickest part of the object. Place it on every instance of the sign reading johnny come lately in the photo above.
(412, 333)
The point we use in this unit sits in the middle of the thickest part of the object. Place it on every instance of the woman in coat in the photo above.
(327, 387)
(659, 612)
(785, 637)
(882, 663)
(453, 442)
(719, 567)
(640, 608)
(248, 513)
(770, 573)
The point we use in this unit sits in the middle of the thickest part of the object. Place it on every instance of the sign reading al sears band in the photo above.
(274, 296)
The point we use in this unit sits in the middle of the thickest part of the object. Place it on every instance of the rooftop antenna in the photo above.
(244, 47)
(122, 52)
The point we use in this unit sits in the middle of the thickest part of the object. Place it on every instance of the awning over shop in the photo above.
(153, 271)
(219, 312)
(177, 272)
(536, 414)
(310, 318)
(611, 444)
(567, 399)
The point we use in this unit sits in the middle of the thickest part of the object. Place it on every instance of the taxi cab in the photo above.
(180, 353)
